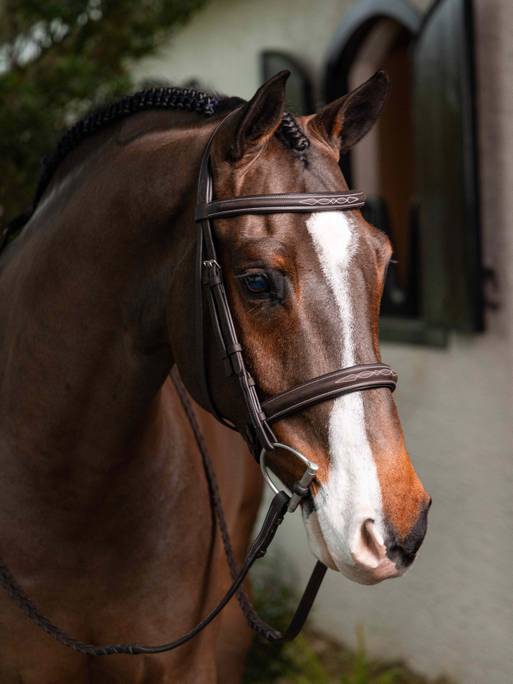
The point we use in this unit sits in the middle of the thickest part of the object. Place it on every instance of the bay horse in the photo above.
(105, 516)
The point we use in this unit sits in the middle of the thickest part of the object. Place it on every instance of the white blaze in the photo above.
(352, 493)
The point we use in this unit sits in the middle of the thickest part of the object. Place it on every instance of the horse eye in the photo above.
(257, 283)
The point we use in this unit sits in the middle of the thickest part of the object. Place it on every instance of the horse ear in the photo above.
(347, 120)
(260, 117)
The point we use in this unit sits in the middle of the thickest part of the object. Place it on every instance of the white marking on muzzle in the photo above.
(352, 493)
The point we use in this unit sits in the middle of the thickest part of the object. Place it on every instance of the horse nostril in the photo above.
(404, 551)
(399, 555)
(369, 549)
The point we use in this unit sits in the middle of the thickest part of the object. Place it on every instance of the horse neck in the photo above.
(83, 341)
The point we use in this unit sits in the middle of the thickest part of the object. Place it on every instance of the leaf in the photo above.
(58, 59)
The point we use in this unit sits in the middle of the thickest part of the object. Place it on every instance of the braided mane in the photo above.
(167, 98)
(185, 99)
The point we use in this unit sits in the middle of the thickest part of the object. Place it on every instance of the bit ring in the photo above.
(302, 484)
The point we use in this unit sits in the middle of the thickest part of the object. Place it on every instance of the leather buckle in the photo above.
(231, 367)
(211, 273)
(234, 356)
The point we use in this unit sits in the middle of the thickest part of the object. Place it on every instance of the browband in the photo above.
(306, 202)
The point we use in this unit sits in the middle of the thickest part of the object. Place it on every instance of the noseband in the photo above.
(259, 414)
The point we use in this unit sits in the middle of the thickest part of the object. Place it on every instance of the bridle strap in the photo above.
(223, 325)
(329, 386)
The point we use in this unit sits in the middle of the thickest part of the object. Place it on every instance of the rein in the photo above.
(256, 428)
(273, 519)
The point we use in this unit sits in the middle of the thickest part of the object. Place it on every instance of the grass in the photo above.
(313, 658)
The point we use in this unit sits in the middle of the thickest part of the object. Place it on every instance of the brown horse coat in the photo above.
(104, 511)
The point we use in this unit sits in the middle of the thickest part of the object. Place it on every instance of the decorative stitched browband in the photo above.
(281, 203)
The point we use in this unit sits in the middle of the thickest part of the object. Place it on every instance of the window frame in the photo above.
(446, 303)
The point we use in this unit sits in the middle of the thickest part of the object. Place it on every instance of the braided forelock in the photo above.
(293, 136)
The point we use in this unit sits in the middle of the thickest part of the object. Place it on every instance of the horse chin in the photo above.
(316, 540)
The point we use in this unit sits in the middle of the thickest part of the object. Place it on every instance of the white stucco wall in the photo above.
(453, 611)
(222, 43)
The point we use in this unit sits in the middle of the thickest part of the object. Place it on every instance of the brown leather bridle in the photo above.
(259, 414)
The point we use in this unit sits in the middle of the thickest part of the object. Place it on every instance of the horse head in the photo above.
(305, 291)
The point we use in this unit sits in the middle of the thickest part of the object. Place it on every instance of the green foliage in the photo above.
(311, 658)
(363, 672)
(296, 660)
(59, 58)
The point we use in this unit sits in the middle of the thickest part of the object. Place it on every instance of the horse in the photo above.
(105, 515)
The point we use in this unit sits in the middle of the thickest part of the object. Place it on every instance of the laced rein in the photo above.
(273, 519)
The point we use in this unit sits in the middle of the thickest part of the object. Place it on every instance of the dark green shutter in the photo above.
(448, 187)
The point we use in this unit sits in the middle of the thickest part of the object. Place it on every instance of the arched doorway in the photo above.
(380, 35)
(419, 165)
